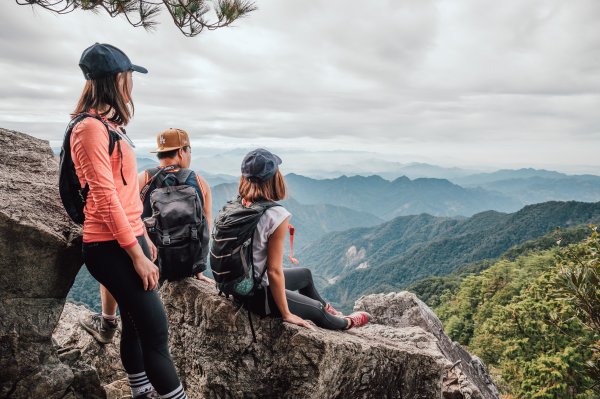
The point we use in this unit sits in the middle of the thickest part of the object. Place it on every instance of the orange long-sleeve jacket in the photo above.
(113, 209)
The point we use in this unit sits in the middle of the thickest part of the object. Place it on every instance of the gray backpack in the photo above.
(178, 225)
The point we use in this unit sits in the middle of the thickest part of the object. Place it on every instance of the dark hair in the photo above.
(102, 92)
(272, 189)
(170, 154)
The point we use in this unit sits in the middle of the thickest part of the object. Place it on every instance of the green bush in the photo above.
(578, 282)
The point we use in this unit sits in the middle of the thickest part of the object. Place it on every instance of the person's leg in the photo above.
(102, 326)
(109, 304)
(313, 310)
(133, 358)
(144, 350)
(300, 279)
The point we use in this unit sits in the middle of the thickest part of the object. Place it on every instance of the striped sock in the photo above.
(178, 393)
(139, 384)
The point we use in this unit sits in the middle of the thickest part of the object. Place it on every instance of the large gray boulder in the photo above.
(40, 256)
(81, 346)
(404, 309)
(212, 346)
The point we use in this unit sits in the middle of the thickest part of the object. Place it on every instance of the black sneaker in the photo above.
(102, 330)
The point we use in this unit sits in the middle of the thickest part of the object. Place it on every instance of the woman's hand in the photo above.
(151, 246)
(293, 319)
(147, 271)
(205, 279)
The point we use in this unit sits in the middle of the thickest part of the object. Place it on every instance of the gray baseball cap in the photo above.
(260, 165)
(100, 60)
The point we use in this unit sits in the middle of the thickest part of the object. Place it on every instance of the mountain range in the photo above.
(403, 196)
(311, 221)
(390, 256)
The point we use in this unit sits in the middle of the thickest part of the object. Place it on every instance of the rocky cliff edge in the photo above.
(402, 354)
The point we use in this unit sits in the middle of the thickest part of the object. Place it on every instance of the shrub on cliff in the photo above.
(513, 317)
(578, 282)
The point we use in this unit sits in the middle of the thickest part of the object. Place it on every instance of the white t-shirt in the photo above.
(268, 223)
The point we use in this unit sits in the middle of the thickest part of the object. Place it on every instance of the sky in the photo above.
(336, 85)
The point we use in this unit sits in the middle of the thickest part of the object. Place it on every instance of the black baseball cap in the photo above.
(260, 165)
(100, 60)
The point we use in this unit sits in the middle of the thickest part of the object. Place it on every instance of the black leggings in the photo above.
(144, 337)
(302, 298)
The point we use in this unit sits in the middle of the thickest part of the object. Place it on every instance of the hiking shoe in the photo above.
(331, 310)
(102, 330)
(358, 319)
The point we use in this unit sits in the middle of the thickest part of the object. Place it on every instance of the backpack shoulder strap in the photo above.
(111, 135)
(266, 205)
(160, 176)
(152, 172)
(182, 175)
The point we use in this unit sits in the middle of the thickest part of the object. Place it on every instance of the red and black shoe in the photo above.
(358, 319)
(331, 310)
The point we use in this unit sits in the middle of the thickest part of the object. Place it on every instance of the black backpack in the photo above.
(177, 225)
(72, 195)
(231, 258)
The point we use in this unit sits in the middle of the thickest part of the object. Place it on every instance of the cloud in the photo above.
(461, 82)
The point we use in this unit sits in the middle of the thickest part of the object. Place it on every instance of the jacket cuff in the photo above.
(131, 244)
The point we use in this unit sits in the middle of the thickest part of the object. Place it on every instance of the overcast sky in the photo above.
(467, 83)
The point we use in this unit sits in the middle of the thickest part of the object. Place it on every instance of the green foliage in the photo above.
(407, 249)
(513, 317)
(432, 289)
(436, 290)
(578, 283)
(566, 236)
(85, 290)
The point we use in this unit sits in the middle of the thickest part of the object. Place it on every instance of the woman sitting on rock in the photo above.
(284, 292)
(116, 249)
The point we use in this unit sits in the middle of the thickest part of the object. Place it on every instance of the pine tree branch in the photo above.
(188, 15)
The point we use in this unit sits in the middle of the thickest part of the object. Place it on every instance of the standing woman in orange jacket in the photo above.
(116, 249)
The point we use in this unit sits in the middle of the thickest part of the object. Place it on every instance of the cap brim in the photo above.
(138, 68)
(164, 149)
(277, 159)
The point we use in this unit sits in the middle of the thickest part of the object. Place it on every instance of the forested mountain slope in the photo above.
(397, 253)
(515, 317)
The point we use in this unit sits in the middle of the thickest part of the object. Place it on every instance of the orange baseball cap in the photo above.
(171, 139)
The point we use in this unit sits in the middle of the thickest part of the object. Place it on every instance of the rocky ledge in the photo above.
(402, 354)
(212, 345)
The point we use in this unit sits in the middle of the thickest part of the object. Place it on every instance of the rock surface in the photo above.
(404, 309)
(40, 258)
(212, 346)
(72, 338)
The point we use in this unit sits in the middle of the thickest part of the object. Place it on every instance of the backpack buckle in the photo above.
(194, 233)
(166, 240)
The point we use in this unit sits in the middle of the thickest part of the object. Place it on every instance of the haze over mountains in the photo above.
(390, 256)
(320, 206)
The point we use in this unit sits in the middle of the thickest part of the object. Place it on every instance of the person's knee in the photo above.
(155, 337)
(306, 273)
